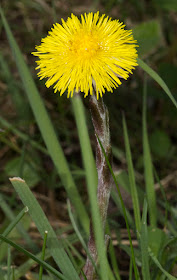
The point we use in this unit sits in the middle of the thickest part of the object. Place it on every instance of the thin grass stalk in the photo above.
(131, 173)
(13, 273)
(148, 167)
(33, 257)
(156, 261)
(78, 232)
(8, 263)
(14, 223)
(43, 254)
(85, 145)
(100, 119)
(144, 244)
(26, 266)
(156, 78)
(113, 256)
(167, 204)
(22, 135)
(130, 269)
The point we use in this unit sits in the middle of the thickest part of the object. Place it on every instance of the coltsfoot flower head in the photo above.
(95, 51)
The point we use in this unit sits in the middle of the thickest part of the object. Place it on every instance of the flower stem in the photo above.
(100, 119)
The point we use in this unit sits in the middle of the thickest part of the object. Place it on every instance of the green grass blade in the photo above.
(157, 78)
(114, 261)
(25, 267)
(8, 263)
(43, 225)
(10, 215)
(87, 154)
(30, 255)
(79, 235)
(167, 204)
(98, 232)
(46, 128)
(155, 260)
(43, 254)
(148, 169)
(22, 135)
(111, 275)
(34, 276)
(134, 193)
(13, 273)
(117, 201)
(73, 259)
(2, 277)
(74, 250)
(130, 270)
(113, 255)
(14, 222)
(13, 88)
(124, 212)
(100, 245)
(144, 244)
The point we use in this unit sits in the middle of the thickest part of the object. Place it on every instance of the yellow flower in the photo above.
(82, 54)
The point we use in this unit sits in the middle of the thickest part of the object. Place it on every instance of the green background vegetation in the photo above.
(46, 140)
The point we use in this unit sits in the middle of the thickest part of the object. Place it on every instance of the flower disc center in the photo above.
(85, 45)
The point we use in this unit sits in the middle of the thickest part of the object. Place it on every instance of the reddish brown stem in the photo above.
(100, 119)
